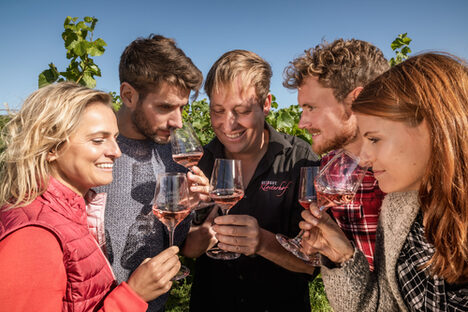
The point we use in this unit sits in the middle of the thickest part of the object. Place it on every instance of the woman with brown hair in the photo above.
(60, 145)
(414, 121)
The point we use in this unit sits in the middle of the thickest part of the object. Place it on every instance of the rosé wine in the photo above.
(171, 218)
(187, 159)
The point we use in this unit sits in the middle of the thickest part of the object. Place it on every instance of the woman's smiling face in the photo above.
(86, 160)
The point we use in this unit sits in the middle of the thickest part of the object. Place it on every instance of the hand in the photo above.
(201, 237)
(324, 235)
(153, 276)
(199, 185)
(238, 233)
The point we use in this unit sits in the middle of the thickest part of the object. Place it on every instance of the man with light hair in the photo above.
(265, 277)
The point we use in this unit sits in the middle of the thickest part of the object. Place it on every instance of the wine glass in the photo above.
(337, 184)
(171, 206)
(306, 196)
(186, 148)
(339, 180)
(226, 189)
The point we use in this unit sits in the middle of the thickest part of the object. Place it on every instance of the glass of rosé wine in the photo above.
(307, 195)
(171, 206)
(226, 189)
(337, 184)
(186, 148)
(339, 180)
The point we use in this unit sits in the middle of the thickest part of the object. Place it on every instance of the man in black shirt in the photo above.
(266, 277)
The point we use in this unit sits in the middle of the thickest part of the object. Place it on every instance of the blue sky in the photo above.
(277, 30)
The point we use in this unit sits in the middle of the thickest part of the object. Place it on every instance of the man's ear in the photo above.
(353, 94)
(267, 105)
(129, 95)
(349, 99)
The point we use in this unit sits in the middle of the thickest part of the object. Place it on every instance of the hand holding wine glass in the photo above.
(171, 206)
(226, 190)
(337, 184)
(306, 197)
(186, 148)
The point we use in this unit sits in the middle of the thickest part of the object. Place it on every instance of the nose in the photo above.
(229, 121)
(113, 150)
(365, 156)
(175, 119)
(302, 122)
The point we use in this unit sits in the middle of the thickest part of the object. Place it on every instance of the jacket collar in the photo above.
(65, 201)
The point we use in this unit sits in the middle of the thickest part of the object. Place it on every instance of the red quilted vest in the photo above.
(63, 212)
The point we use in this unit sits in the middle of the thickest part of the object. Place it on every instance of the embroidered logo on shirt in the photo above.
(281, 187)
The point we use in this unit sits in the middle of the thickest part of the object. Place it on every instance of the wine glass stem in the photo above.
(224, 210)
(171, 235)
(298, 237)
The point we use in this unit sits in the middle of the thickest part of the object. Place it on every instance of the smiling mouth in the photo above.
(315, 132)
(105, 166)
(234, 135)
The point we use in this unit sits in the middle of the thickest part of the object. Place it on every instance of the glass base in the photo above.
(293, 246)
(218, 253)
(183, 273)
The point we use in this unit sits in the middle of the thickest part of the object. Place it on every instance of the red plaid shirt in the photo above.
(359, 219)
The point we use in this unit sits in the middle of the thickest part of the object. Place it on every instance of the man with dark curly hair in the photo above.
(328, 78)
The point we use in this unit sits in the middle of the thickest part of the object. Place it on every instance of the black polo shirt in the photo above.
(254, 283)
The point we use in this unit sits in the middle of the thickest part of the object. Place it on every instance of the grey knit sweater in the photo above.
(353, 287)
(132, 231)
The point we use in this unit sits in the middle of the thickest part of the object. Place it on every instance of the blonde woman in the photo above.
(59, 145)
(414, 122)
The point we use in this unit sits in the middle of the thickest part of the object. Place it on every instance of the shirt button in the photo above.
(344, 218)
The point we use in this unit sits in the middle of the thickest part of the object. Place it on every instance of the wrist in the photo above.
(347, 255)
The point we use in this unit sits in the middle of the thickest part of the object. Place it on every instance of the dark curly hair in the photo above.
(341, 65)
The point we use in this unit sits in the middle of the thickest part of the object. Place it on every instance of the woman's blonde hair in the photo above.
(433, 87)
(45, 122)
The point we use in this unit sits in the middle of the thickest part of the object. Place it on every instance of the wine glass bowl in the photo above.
(186, 148)
(171, 206)
(339, 180)
(226, 189)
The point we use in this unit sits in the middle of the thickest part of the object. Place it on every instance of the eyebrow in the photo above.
(369, 133)
(170, 104)
(103, 133)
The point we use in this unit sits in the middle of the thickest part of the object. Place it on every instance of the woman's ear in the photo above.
(52, 155)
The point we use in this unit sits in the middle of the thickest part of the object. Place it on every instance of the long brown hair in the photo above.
(433, 87)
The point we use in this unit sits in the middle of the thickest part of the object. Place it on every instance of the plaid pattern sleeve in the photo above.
(420, 290)
(359, 219)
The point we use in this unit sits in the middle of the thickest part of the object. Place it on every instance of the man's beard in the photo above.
(341, 140)
(140, 122)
